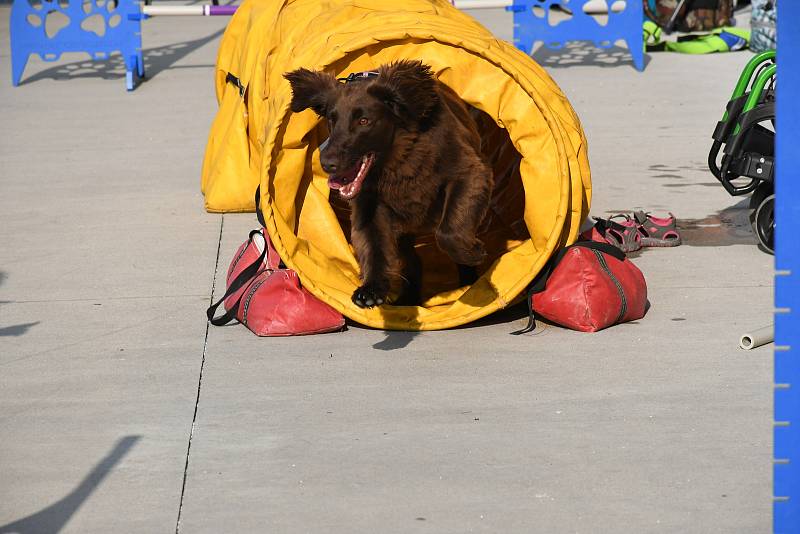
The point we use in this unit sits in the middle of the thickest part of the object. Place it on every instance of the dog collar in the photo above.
(358, 76)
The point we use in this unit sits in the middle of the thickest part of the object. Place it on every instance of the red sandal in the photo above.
(657, 231)
(624, 235)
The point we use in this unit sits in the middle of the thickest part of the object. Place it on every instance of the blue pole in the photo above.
(786, 470)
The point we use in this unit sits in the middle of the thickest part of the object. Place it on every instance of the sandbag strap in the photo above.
(258, 207)
(540, 282)
(244, 277)
(531, 326)
(605, 248)
(261, 221)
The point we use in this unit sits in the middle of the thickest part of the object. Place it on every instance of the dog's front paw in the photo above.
(368, 296)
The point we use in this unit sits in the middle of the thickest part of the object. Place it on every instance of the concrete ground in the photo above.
(121, 411)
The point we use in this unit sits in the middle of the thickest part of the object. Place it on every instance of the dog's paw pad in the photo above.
(366, 297)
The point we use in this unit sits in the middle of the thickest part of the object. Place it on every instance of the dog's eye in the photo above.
(363, 121)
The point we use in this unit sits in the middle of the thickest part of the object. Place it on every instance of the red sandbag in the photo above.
(590, 286)
(269, 300)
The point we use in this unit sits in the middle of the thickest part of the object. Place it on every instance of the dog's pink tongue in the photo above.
(335, 182)
(339, 180)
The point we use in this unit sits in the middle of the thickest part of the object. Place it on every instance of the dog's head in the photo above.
(364, 116)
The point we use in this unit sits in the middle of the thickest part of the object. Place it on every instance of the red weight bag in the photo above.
(587, 286)
(269, 299)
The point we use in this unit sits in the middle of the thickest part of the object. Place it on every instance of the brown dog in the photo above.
(404, 151)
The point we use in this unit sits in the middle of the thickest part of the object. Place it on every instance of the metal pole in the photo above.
(673, 19)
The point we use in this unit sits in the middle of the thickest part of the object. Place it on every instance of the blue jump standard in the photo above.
(123, 34)
(531, 24)
(786, 452)
(122, 31)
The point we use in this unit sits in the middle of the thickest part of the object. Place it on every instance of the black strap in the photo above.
(540, 282)
(263, 224)
(236, 82)
(244, 278)
(258, 207)
(531, 326)
(605, 248)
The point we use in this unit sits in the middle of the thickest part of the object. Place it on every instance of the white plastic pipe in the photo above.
(593, 7)
(200, 10)
(173, 10)
(758, 337)
(482, 4)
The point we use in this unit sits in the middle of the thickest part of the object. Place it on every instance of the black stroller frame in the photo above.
(747, 164)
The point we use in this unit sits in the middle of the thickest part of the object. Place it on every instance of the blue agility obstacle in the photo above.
(534, 22)
(96, 27)
(117, 27)
(786, 451)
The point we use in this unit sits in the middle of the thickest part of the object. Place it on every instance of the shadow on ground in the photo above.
(510, 316)
(155, 60)
(730, 226)
(585, 53)
(17, 329)
(3, 277)
(682, 176)
(395, 340)
(53, 518)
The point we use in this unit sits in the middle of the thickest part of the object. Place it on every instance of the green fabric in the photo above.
(691, 44)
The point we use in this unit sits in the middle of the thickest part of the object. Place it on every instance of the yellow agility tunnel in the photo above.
(531, 137)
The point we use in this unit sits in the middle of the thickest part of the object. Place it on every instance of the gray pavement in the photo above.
(121, 412)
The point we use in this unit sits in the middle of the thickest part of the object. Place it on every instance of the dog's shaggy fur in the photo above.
(404, 151)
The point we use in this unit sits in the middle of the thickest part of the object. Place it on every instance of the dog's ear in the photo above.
(408, 88)
(311, 89)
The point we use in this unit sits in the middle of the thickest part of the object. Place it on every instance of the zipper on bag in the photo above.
(624, 307)
(251, 293)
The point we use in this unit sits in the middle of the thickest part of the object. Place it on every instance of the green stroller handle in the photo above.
(758, 88)
(756, 91)
(747, 75)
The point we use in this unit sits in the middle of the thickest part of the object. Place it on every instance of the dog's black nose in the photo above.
(328, 164)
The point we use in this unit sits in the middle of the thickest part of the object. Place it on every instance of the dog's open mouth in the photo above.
(349, 182)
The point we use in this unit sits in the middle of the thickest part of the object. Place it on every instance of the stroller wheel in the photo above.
(764, 190)
(764, 223)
